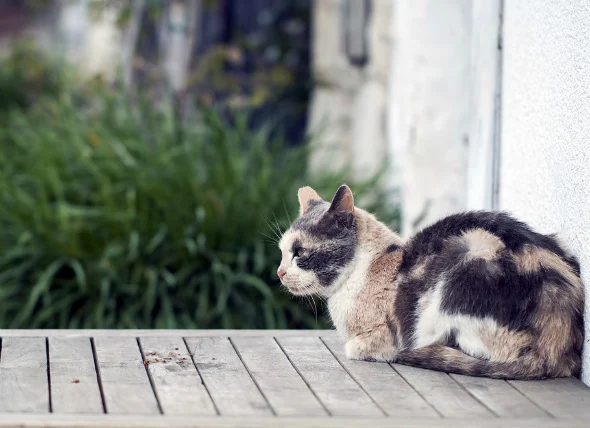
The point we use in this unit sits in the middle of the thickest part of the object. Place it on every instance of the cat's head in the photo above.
(320, 245)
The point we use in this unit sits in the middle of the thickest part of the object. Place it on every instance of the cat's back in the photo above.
(488, 264)
(483, 234)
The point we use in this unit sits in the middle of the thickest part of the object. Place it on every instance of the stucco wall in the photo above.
(545, 140)
(349, 103)
(430, 116)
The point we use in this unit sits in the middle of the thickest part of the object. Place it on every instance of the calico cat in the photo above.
(476, 293)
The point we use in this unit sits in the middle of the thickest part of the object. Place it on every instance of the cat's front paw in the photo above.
(364, 350)
(354, 349)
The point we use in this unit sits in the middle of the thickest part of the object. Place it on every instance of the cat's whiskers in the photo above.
(272, 228)
(307, 300)
(271, 239)
(277, 225)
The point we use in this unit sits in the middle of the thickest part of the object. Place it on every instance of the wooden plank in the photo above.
(175, 378)
(563, 398)
(389, 390)
(231, 387)
(74, 384)
(443, 393)
(127, 421)
(125, 383)
(284, 389)
(326, 377)
(24, 385)
(164, 333)
(500, 397)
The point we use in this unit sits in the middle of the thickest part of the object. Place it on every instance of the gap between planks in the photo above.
(201, 377)
(302, 377)
(48, 364)
(98, 376)
(149, 375)
(354, 378)
(273, 411)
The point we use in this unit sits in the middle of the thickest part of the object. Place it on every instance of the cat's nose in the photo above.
(281, 273)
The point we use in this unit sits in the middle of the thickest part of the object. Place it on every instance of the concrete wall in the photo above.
(545, 140)
(486, 97)
(431, 103)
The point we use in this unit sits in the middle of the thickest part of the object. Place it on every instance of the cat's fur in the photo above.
(476, 293)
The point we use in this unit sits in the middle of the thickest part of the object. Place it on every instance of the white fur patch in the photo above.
(434, 326)
(346, 289)
(356, 349)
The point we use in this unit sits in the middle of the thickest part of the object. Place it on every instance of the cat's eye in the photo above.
(298, 252)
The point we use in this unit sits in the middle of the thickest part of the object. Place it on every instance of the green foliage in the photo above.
(29, 74)
(114, 215)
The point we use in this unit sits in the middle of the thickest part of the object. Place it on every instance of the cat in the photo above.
(476, 293)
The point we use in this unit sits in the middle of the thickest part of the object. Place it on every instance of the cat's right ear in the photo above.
(306, 195)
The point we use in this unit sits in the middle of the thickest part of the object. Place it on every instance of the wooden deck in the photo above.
(252, 378)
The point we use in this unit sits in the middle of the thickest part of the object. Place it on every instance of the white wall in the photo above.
(349, 103)
(485, 85)
(545, 140)
(93, 45)
(430, 98)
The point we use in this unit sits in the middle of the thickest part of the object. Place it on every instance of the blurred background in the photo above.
(151, 150)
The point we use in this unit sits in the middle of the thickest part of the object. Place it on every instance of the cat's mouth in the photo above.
(299, 291)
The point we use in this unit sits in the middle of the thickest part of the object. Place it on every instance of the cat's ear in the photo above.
(343, 201)
(306, 195)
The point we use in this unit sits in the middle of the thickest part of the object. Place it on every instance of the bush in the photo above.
(28, 74)
(116, 216)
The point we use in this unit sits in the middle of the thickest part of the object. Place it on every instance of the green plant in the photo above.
(114, 215)
(29, 74)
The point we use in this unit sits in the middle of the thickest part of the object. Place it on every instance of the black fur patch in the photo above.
(394, 332)
(574, 264)
(392, 248)
(451, 341)
(409, 291)
(494, 289)
(296, 247)
(326, 264)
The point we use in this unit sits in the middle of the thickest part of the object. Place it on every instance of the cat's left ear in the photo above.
(343, 202)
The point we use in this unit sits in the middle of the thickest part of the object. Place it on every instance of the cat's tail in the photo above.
(451, 360)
